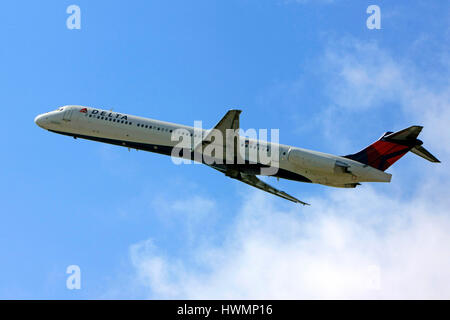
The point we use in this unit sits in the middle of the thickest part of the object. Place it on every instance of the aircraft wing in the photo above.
(252, 180)
(229, 121)
(255, 182)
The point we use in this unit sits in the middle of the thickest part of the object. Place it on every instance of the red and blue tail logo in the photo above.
(390, 148)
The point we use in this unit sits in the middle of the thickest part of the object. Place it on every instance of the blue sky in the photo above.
(141, 227)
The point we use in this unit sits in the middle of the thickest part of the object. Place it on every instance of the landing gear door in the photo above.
(68, 115)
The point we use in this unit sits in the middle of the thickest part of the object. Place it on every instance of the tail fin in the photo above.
(391, 147)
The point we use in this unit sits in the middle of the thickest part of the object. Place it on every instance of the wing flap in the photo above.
(257, 183)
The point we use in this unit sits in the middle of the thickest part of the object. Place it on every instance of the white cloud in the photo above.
(188, 212)
(362, 243)
(363, 77)
(326, 251)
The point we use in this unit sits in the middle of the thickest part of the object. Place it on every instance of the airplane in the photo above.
(367, 165)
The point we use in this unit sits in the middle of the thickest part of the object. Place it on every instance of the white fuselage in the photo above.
(156, 136)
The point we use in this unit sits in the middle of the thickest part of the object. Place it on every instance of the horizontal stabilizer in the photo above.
(408, 134)
(424, 153)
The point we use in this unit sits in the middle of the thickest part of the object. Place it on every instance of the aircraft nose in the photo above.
(40, 120)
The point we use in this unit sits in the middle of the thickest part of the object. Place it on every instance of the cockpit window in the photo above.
(60, 109)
